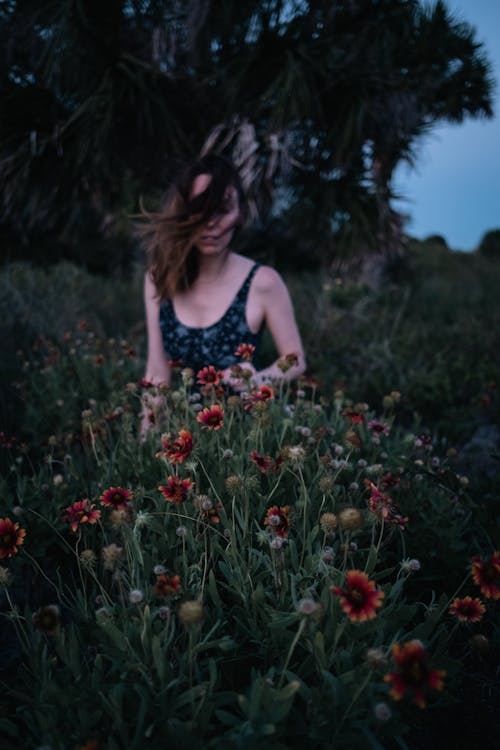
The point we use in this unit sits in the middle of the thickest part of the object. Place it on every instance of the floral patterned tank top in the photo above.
(213, 345)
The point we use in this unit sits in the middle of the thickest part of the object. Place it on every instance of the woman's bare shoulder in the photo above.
(268, 280)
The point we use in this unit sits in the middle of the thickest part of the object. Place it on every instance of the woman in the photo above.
(202, 299)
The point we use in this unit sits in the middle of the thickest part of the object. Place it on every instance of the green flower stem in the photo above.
(379, 542)
(205, 564)
(304, 515)
(82, 581)
(346, 550)
(16, 618)
(277, 484)
(354, 699)
(292, 649)
(339, 630)
(212, 486)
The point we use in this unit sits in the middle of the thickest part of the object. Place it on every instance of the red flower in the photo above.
(116, 497)
(176, 490)
(278, 521)
(309, 381)
(384, 506)
(486, 575)
(378, 428)
(82, 511)
(167, 585)
(264, 393)
(467, 609)
(175, 363)
(178, 449)
(413, 674)
(263, 463)
(389, 480)
(90, 745)
(11, 537)
(352, 416)
(211, 514)
(359, 599)
(211, 417)
(209, 376)
(7, 441)
(245, 351)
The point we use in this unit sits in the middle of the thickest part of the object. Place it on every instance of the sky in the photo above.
(454, 189)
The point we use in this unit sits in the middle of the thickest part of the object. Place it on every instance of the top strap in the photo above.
(245, 287)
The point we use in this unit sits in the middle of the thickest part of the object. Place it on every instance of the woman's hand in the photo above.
(243, 380)
(153, 412)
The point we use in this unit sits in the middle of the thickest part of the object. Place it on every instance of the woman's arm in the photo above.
(280, 319)
(157, 369)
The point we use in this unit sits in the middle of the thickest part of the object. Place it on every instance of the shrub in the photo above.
(489, 247)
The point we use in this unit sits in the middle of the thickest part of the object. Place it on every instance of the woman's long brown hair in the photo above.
(169, 235)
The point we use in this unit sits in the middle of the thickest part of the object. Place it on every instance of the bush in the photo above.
(489, 247)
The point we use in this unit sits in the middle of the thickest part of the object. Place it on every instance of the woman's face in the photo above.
(219, 228)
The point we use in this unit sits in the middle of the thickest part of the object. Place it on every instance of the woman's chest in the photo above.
(204, 307)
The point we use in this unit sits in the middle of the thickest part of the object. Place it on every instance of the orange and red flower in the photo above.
(209, 376)
(176, 490)
(167, 585)
(264, 393)
(81, 512)
(413, 674)
(175, 363)
(354, 417)
(378, 429)
(359, 599)
(263, 463)
(467, 609)
(211, 417)
(90, 745)
(116, 497)
(278, 521)
(245, 351)
(486, 575)
(384, 506)
(211, 514)
(11, 537)
(176, 450)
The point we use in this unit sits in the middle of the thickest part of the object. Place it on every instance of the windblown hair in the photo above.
(169, 236)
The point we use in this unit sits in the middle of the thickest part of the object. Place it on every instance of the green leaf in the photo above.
(159, 657)
(319, 650)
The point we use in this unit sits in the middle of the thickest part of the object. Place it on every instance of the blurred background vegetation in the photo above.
(316, 101)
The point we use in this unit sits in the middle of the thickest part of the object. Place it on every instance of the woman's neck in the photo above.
(212, 267)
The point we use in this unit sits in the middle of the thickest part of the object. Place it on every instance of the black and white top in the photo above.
(213, 345)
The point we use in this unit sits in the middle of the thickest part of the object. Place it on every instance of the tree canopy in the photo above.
(316, 101)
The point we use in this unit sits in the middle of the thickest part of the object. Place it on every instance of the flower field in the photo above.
(282, 568)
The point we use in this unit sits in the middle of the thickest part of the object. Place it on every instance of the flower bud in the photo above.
(191, 612)
(350, 519)
(328, 523)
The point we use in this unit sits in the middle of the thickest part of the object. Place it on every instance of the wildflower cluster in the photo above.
(250, 548)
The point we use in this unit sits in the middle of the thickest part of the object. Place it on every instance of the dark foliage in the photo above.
(317, 102)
